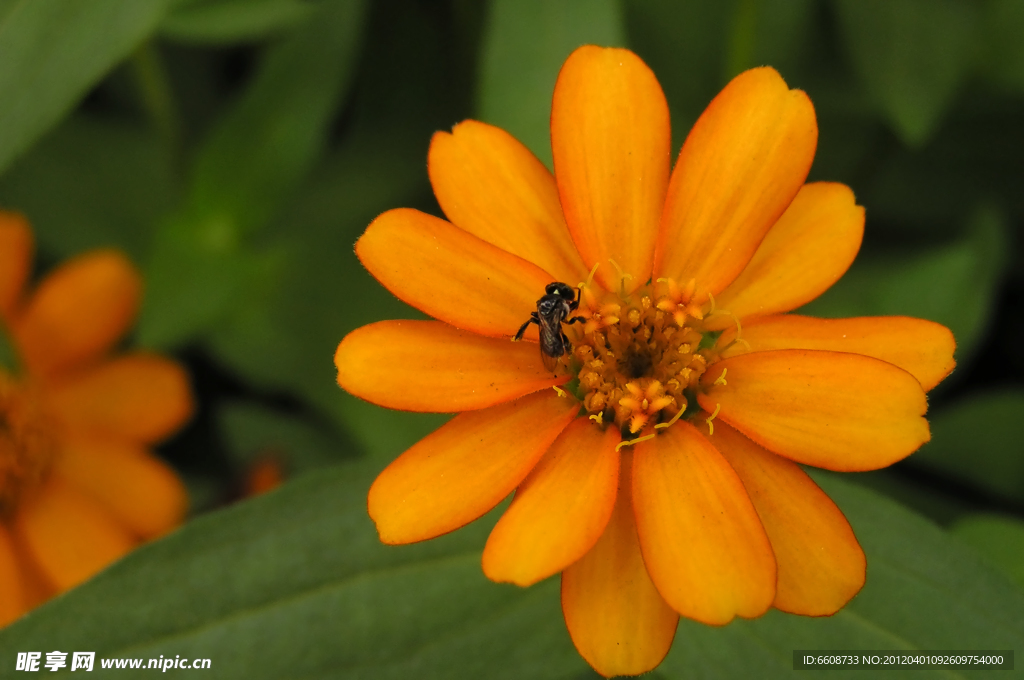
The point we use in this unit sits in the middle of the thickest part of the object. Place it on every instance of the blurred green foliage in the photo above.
(237, 148)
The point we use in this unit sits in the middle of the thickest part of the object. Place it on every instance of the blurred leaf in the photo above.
(251, 431)
(1004, 49)
(767, 33)
(296, 584)
(232, 21)
(954, 285)
(923, 592)
(681, 40)
(8, 355)
(997, 537)
(525, 43)
(93, 182)
(283, 335)
(53, 51)
(263, 148)
(978, 440)
(248, 168)
(912, 56)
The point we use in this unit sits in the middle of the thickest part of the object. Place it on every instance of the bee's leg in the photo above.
(575, 304)
(565, 343)
(522, 329)
(575, 319)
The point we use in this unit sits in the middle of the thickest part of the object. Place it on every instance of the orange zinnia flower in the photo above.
(660, 476)
(78, 487)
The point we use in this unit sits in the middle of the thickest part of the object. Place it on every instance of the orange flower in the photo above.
(660, 476)
(78, 487)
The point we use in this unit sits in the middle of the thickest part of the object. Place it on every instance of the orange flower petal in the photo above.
(617, 619)
(15, 259)
(492, 186)
(922, 348)
(701, 538)
(462, 470)
(808, 249)
(140, 397)
(135, 487)
(78, 312)
(431, 366)
(13, 600)
(742, 164)
(450, 274)
(69, 536)
(840, 411)
(821, 564)
(560, 509)
(610, 139)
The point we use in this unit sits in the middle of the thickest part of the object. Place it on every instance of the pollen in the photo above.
(26, 443)
(640, 356)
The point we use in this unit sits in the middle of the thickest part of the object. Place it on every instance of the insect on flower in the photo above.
(553, 309)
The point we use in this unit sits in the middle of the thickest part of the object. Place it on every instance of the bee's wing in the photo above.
(549, 361)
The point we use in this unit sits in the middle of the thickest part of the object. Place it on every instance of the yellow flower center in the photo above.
(639, 356)
(26, 442)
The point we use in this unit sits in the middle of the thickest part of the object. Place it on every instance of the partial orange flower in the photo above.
(78, 485)
(660, 476)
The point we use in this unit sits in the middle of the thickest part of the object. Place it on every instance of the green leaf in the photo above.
(978, 440)
(998, 538)
(92, 182)
(923, 591)
(767, 32)
(265, 146)
(53, 51)
(252, 430)
(682, 42)
(245, 173)
(221, 22)
(1004, 50)
(912, 57)
(296, 584)
(283, 335)
(954, 285)
(525, 43)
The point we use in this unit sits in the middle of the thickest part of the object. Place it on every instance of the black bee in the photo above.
(553, 309)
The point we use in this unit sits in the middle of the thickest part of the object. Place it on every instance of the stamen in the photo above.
(631, 442)
(672, 422)
(598, 417)
(622, 276)
(711, 427)
(712, 310)
(590, 278)
(559, 391)
(720, 380)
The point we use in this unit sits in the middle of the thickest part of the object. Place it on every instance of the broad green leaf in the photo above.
(252, 430)
(953, 285)
(244, 174)
(978, 440)
(53, 51)
(93, 182)
(999, 538)
(525, 43)
(924, 591)
(232, 21)
(912, 57)
(296, 584)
